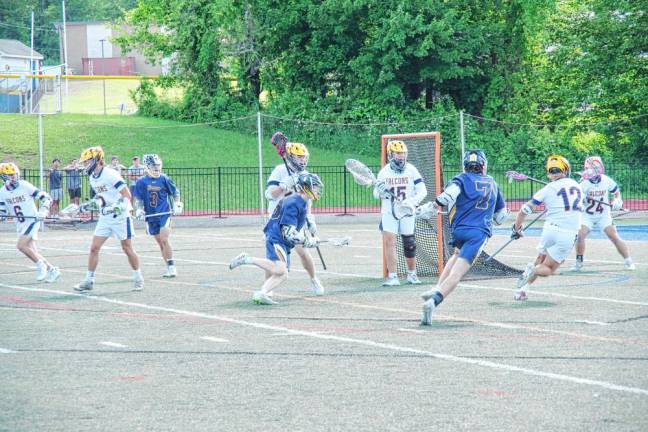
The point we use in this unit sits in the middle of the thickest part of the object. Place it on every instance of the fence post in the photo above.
(220, 194)
(344, 181)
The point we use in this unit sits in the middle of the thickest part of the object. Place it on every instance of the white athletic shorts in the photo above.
(404, 226)
(601, 221)
(120, 227)
(557, 242)
(28, 228)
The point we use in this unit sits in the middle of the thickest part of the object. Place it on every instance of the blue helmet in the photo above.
(475, 161)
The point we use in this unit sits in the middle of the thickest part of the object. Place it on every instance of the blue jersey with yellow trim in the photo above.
(155, 193)
(478, 201)
(291, 210)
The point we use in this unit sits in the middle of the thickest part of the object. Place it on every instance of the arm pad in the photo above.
(501, 216)
(449, 195)
(420, 192)
(527, 209)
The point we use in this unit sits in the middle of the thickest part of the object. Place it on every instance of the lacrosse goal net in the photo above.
(433, 235)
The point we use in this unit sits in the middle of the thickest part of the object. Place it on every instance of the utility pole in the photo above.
(65, 51)
(31, 67)
(102, 73)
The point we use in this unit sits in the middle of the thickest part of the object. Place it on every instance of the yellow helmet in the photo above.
(393, 148)
(90, 157)
(9, 172)
(297, 156)
(558, 164)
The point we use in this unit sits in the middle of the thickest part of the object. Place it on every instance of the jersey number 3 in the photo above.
(576, 205)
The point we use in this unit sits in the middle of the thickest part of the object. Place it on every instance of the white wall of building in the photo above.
(95, 33)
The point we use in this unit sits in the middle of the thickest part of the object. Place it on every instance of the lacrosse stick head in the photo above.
(517, 176)
(360, 172)
(279, 141)
(342, 241)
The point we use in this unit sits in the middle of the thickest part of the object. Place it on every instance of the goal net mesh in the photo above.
(433, 236)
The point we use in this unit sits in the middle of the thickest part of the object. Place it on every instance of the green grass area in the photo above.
(180, 145)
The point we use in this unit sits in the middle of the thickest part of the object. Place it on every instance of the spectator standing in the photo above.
(135, 172)
(73, 178)
(56, 187)
(114, 164)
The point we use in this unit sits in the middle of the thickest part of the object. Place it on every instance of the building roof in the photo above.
(14, 48)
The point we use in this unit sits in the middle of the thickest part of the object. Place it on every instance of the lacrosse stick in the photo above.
(157, 214)
(517, 176)
(279, 141)
(363, 176)
(338, 241)
(511, 239)
(428, 211)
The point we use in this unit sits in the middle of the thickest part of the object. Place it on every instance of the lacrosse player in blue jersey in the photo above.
(157, 198)
(282, 232)
(475, 202)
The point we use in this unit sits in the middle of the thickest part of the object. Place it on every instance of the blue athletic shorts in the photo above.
(156, 223)
(470, 242)
(271, 250)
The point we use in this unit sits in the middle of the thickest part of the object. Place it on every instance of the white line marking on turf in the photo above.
(361, 256)
(592, 322)
(364, 342)
(112, 344)
(6, 351)
(400, 310)
(213, 339)
(412, 330)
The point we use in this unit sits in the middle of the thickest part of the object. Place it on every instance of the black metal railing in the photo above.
(229, 191)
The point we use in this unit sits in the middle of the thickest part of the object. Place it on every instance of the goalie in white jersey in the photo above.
(402, 181)
(18, 200)
(281, 183)
(596, 190)
(562, 199)
(113, 200)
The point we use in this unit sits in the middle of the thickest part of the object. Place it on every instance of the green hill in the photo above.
(179, 144)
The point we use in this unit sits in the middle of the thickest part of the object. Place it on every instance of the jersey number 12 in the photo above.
(576, 205)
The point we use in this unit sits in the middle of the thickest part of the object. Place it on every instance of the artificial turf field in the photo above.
(194, 353)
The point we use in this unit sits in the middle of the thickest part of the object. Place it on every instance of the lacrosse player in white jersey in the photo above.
(282, 183)
(596, 189)
(562, 199)
(403, 181)
(18, 200)
(113, 200)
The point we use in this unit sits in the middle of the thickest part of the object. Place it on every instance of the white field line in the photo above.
(112, 344)
(6, 351)
(367, 276)
(356, 341)
(329, 300)
(412, 330)
(213, 339)
(592, 322)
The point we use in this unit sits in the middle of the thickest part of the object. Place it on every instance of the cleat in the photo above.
(41, 272)
(578, 265)
(413, 279)
(239, 260)
(393, 281)
(427, 295)
(261, 298)
(520, 295)
(317, 287)
(53, 273)
(524, 278)
(630, 266)
(428, 309)
(138, 284)
(86, 285)
(171, 272)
